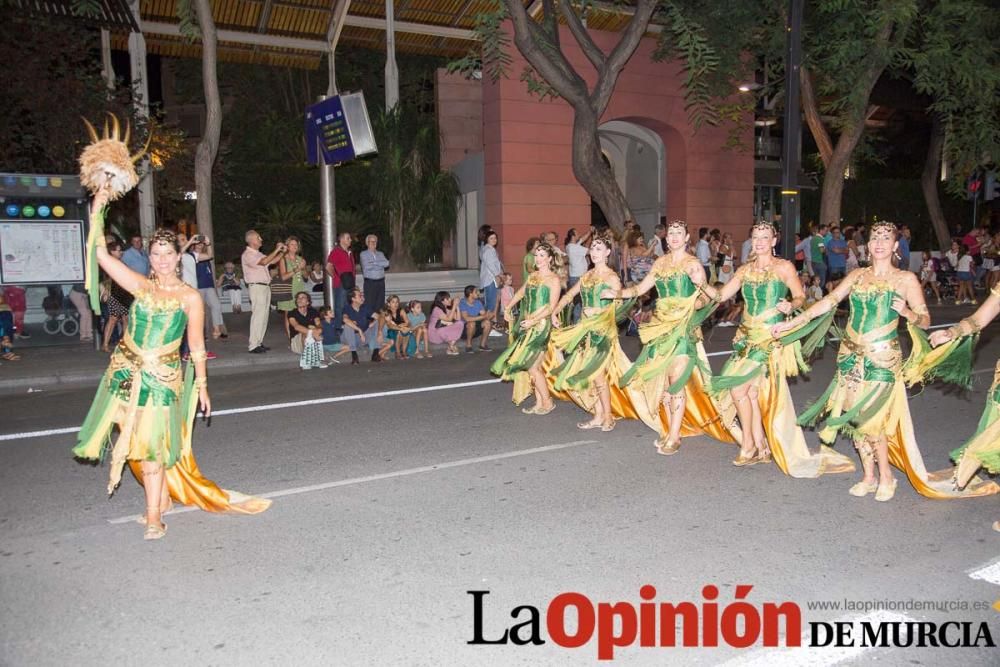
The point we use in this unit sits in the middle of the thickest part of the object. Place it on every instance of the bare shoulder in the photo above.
(191, 298)
(907, 279)
(785, 268)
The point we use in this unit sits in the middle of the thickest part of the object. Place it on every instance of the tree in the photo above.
(540, 44)
(408, 188)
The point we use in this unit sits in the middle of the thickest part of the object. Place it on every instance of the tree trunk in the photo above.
(833, 179)
(401, 259)
(929, 184)
(208, 147)
(593, 174)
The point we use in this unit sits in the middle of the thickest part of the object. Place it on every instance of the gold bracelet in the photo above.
(200, 355)
(201, 382)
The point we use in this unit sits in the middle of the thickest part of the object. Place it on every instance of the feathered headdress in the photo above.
(106, 159)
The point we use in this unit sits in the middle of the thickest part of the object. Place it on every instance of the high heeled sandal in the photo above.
(586, 426)
(141, 520)
(763, 456)
(886, 491)
(668, 447)
(155, 532)
(609, 426)
(863, 488)
(545, 411)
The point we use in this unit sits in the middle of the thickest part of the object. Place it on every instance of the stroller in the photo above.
(947, 279)
(60, 315)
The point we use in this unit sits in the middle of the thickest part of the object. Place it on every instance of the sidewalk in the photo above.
(56, 366)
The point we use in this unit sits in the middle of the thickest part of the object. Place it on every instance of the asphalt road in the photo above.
(391, 507)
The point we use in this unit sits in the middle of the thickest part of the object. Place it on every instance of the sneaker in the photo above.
(258, 350)
(211, 355)
(22, 334)
(725, 324)
(469, 350)
(322, 365)
(496, 334)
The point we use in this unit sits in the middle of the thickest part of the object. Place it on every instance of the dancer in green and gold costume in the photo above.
(144, 392)
(671, 371)
(586, 359)
(521, 362)
(867, 397)
(756, 372)
(952, 362)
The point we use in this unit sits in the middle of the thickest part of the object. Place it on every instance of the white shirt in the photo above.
(656, 246)
(965, 264)
(189, 273)
(489, 265)
(704, 252)
(577, 259)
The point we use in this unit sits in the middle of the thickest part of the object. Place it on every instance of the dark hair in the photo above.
(114, 245)
(569, 235)
(469, 289)
(356, 290)
(702, 232)
(305, 294)
(484, 233)
(323, 310)
(439, 301)
(531, 243)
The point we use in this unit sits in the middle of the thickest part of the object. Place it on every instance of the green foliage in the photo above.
(189, 27)
(491, 56)
(279, 221)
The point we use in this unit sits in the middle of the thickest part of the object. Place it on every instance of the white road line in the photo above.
(989, 572)
(389, 475)
(815, 656)
(333, 399)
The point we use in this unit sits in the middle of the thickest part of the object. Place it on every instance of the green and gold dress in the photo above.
(152, 401)
(526, 346)
(674, 332)
(759, 357)
(589, 350)
(867, 397)
(952, 362)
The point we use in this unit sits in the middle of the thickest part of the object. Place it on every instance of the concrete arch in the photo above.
(638, 158)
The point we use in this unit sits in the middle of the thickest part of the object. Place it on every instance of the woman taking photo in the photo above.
(672, 369)
(292, 270)
(445, 325)
(594, 360)
(867, 397)
(755, 373)
(521, 362)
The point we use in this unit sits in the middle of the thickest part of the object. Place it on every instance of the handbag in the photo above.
(281, 289)
(347, 281)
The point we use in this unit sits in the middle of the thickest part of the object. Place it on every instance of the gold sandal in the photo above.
(886, 492)
(745, 459)
(155, 532)
(141, 520)
(667, 447)
(863, 488)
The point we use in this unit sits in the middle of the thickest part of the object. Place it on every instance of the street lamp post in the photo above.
(792, 141)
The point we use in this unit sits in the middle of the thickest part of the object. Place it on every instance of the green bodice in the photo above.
(675, 283)
(152, 324)
(762, 291)
(871, 309)
(536, 295)
(590, 293)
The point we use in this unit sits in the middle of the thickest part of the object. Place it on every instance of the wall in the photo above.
(530, 185)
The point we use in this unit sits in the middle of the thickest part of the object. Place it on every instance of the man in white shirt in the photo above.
(703, 251)
(658, 243)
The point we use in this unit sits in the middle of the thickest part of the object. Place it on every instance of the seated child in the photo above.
(418, 327)
(331, 341)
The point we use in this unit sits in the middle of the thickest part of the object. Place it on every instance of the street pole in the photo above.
(328, 212)
(792, 141)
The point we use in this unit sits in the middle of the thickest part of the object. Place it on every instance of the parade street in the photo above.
(400, 487)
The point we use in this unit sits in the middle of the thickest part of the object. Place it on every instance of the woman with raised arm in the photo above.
(670, 373)
(521, 362)
(755, 374)
(144, 392)
(588, 360)
(952, 362)
(867, 397)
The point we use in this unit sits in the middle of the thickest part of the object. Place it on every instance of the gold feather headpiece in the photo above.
(106, 162)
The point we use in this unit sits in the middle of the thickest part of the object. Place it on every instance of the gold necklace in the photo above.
(179, 285)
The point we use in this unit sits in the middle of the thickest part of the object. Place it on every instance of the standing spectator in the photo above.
(801, 248)
(136, 257)
(991, 261)
(964, 268)
(528, 263)
(292, 272)
(373, 267)
(506, 296)
(119, 301)
(928, 275)
(640, 258)
(490, 270)
(703, 251)
(258, 280)
(229, 283)
(577, 252)
(746, 251)
(204, 257)
(836, 253)
(478, 322)
(953, 254)
(817, 253)
(445, 324)
(658, 244)
(340, 267)
(359, 326)
(6, 330)
(852, 260)
(727, 259)
(17, 301)
(904, 247)
(316, 277)
(189, 270)
(78, 297)
(306, 332)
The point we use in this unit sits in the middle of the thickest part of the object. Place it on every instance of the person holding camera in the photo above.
(258, 280)
(340, 266)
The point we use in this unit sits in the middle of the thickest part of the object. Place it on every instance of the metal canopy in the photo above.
(112, 14)
(294, 33)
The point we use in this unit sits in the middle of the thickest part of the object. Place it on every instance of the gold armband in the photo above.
(200, 355)
(966, 327)
(921, 309)
(200, 382)
(834, 301)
